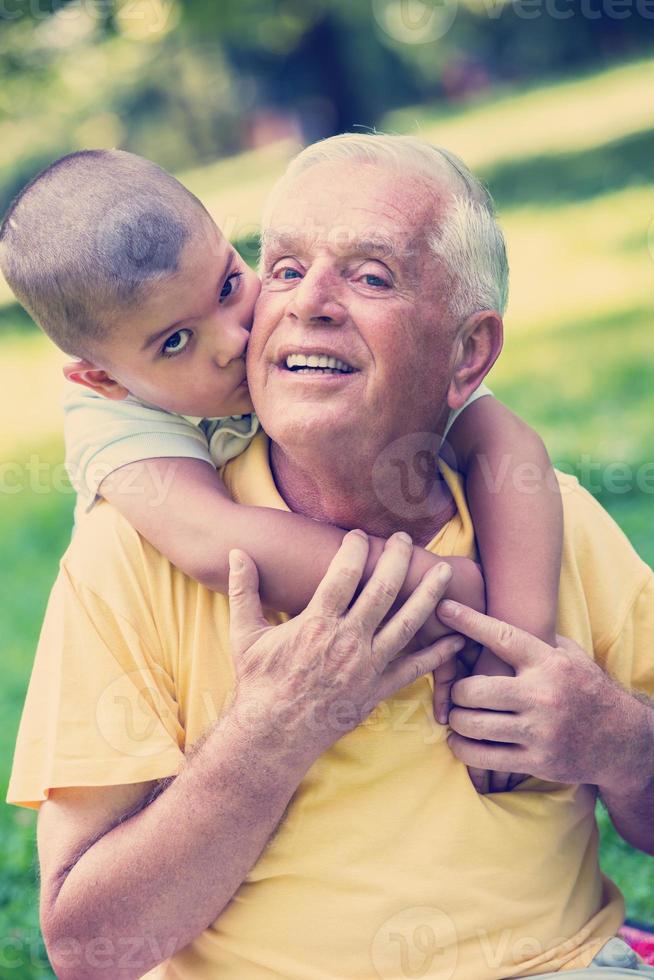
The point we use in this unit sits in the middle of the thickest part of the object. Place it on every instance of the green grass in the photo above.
(569, 166)
(34, 529)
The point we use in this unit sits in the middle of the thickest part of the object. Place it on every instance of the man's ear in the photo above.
(478, 346)
(87, 374)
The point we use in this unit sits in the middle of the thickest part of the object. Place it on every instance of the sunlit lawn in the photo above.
(578, 364)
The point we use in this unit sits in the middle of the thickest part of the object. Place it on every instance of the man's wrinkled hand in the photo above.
(542, 721)
(316, 677)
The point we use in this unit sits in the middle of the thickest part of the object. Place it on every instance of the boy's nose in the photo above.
(231, 343)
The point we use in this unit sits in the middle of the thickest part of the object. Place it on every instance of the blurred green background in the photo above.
(551, 102)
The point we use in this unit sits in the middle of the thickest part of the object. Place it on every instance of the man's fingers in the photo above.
(491, 693)
(487, 726)
(342, 578)
(403, 626)
(510, 644)
(382, 588)
(407, 669)
(246, 619)
(487, 755)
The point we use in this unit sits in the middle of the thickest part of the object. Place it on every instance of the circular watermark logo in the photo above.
(405, 474)
(139, 237)
(415, 21)
(415, 942)
(128, 714)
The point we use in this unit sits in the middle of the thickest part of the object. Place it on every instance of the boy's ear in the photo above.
(478, 347)
(85, 373)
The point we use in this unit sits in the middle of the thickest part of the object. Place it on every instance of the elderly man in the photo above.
(240, 811)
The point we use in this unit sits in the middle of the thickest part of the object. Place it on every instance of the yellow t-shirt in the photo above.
(388, 865)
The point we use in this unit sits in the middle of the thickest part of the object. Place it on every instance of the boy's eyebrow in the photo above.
(154, 337)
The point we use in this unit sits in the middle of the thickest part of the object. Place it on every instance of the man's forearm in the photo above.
(157, 880)
(629, 796)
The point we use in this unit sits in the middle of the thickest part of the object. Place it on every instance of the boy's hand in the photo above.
(466, 586)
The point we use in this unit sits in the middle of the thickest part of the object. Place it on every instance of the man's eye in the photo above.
(377, 281)
(286, 273)
(176, 343)
(230, 284)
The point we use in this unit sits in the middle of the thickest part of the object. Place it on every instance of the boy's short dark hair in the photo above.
(88, 236)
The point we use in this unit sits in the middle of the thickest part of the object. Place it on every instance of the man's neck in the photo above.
(347, 492)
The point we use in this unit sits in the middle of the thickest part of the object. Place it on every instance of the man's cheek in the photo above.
(268, 309)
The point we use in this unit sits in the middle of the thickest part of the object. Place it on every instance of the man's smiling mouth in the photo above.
(316, 362)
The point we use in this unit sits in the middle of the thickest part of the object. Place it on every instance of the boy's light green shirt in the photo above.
(101, 435)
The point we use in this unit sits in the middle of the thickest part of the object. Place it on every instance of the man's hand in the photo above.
(484, 780)
(319, 675)
(561, 718)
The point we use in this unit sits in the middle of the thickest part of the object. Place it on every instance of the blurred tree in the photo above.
(185, 81)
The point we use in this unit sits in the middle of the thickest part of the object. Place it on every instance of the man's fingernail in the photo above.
(235, 561)
(449, 608)
(359, 533)
(403, 536)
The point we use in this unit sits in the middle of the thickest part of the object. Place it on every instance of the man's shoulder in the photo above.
(599, 564)
(588, 524)
(105, 549)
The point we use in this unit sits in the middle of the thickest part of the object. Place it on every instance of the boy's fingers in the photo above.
(246, 617)
(444, 677)
(503, 782)
(480, 778)
(514, 646)
(398, 632)
(382, 588)
(341, 580)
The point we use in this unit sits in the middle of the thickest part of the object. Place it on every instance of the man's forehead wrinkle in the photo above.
(342, 240)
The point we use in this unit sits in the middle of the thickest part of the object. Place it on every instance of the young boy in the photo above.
(124, 269)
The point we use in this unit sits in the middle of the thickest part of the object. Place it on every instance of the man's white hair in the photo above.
(468, 239)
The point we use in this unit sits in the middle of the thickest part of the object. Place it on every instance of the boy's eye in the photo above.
(176, 343)
(230, 284)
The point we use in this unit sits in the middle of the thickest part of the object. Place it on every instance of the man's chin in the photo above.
(297, 404)
(302, 425)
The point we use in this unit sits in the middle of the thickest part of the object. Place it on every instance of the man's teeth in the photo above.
(317, 361)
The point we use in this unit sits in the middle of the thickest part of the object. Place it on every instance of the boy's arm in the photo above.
(515, 503)
(183, 509)
(516, 508)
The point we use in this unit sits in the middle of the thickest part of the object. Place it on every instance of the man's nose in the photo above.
(315, 299)
(231, 341)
